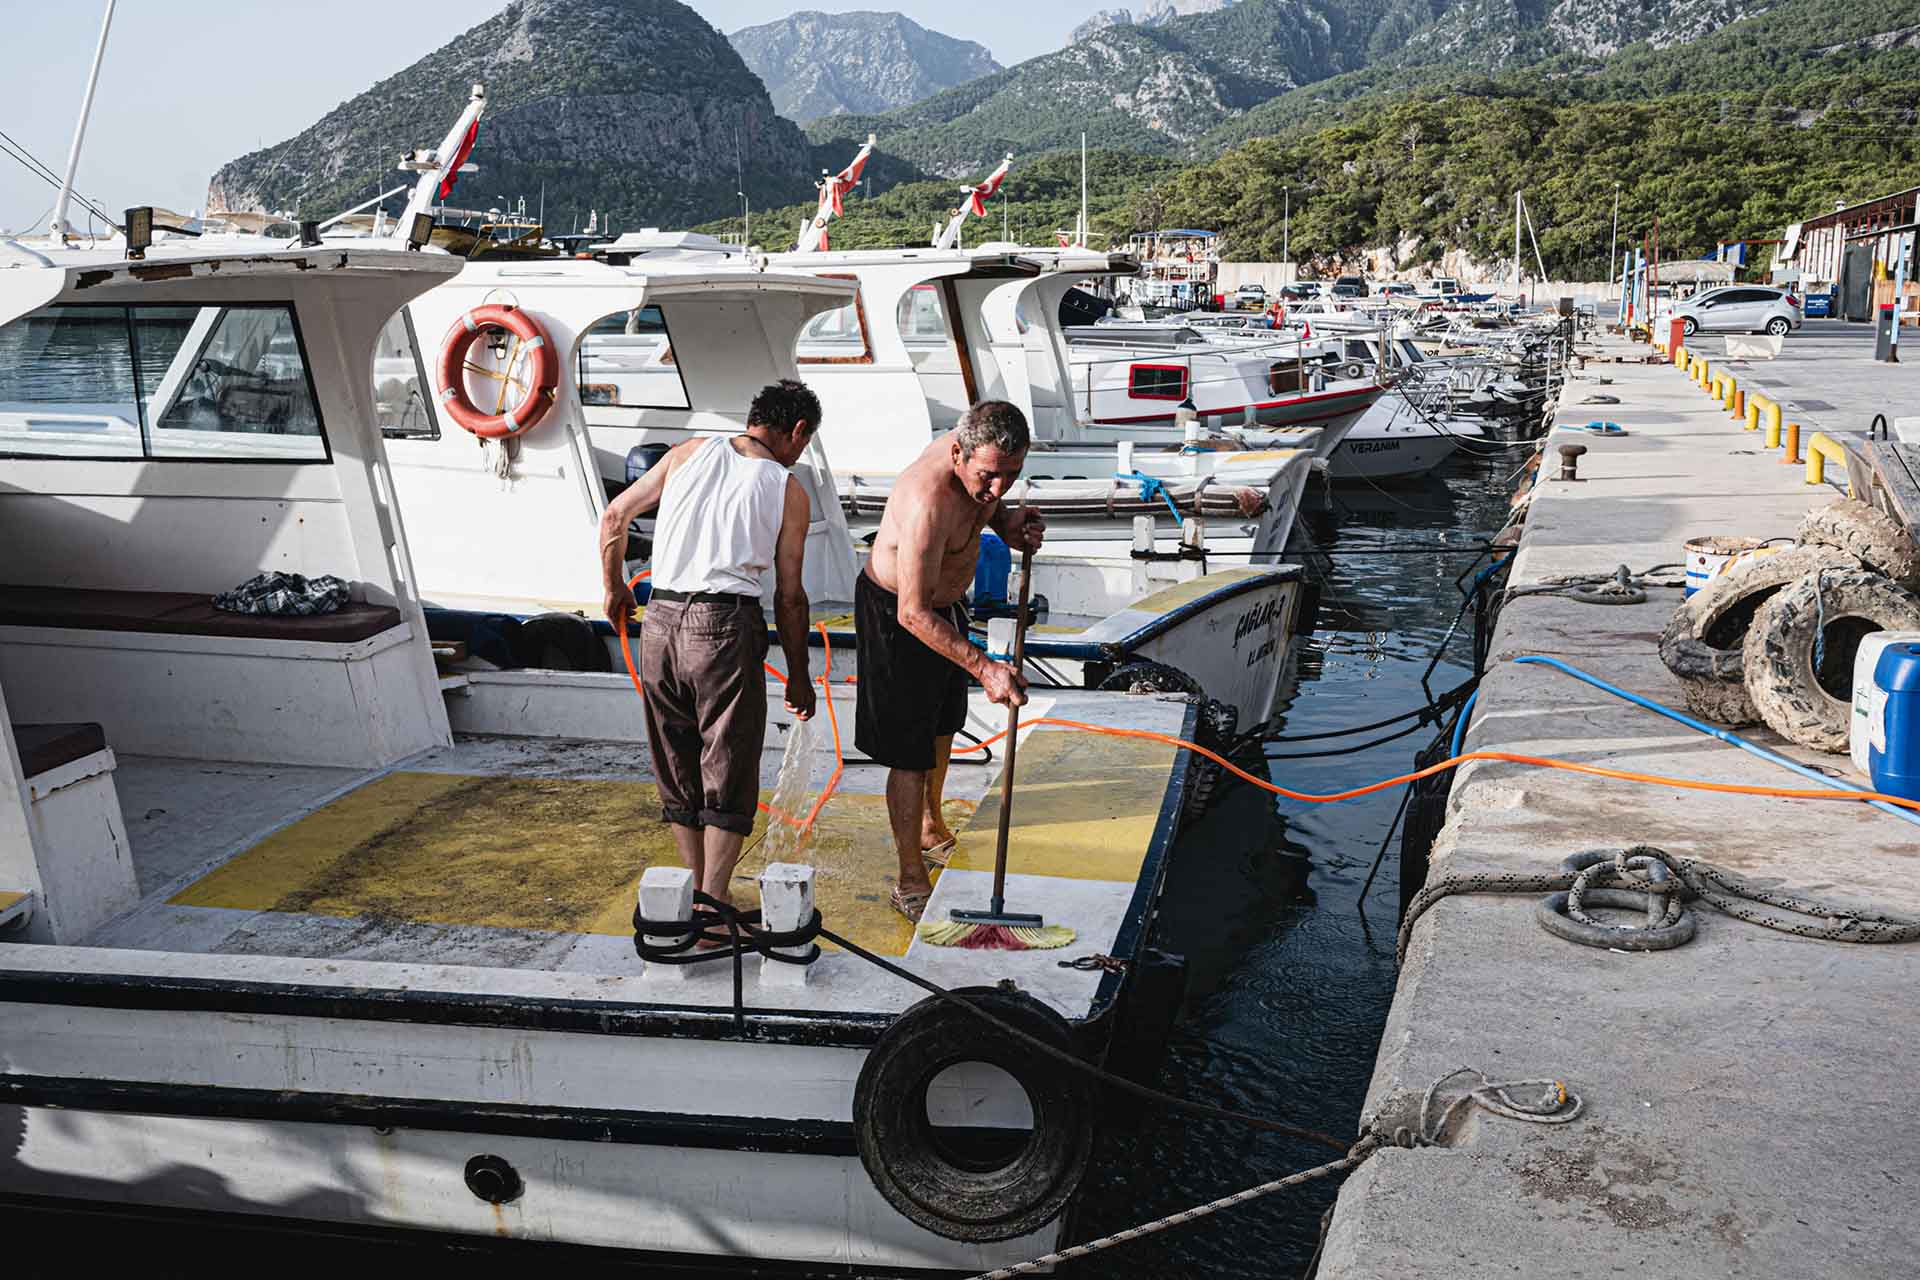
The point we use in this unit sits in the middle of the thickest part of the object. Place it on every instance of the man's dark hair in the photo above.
(996, 423)
(781, 404)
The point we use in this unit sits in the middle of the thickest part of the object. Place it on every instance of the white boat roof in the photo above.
(34, 275)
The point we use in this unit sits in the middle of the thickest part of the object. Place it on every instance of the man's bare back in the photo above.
(929, 507)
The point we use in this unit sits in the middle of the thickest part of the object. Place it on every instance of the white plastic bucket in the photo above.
(1708, 558)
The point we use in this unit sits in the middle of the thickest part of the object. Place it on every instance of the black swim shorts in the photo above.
(908, 695)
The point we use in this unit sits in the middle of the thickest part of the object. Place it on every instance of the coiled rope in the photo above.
(1660, 882)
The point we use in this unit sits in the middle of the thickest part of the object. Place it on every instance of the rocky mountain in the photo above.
(821, 64)
(637, 108)
(1155, 13)
(1171, 85)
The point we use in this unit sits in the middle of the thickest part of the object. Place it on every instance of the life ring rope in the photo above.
(530, 364)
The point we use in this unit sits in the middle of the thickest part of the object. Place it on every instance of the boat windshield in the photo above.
(158, 382)
(626, 359)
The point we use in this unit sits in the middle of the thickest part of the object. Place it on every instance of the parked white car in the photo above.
(1740, 308)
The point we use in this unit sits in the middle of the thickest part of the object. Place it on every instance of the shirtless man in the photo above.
(912, 630)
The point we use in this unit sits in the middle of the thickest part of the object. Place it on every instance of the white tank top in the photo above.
(718, 521)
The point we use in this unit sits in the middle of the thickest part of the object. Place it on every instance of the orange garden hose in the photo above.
(1538, 762)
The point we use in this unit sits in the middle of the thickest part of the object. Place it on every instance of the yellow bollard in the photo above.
(1821, 449)
(1753, 413)
(1680, 357)
(1792, 457)
(1732, 389)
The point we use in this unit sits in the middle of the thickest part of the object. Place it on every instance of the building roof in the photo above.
(1899, 203)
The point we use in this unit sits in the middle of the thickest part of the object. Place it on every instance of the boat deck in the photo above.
(522, 854)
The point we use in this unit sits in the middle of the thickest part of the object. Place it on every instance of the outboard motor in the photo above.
(641, 458)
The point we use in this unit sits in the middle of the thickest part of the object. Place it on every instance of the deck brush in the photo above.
(997, 929)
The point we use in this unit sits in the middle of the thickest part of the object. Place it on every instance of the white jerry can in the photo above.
(1864, 662)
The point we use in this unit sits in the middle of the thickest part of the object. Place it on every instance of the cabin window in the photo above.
(920, 317)
(1157, 381)
(626, 359)
(401, 396)
(177, 382)
(836, 337)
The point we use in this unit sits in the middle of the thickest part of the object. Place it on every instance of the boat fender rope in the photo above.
(1151, 487)
(1556, 1104)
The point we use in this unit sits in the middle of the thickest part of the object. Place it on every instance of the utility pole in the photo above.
(1613, 241)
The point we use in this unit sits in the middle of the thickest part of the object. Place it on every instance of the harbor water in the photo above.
(1290, 973)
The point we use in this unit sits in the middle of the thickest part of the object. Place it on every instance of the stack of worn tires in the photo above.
(1773, 638)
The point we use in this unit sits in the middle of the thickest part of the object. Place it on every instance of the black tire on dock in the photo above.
(970, 1194)
(1812, 704)
(1703, 644)
(1877, 540)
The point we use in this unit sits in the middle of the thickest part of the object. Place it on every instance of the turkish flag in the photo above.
(465, 149)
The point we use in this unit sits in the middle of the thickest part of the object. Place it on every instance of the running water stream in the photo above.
(1289, 978)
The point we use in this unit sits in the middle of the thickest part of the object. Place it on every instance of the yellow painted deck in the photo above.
(563, 855)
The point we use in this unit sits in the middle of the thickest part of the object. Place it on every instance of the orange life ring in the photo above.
(542, 372)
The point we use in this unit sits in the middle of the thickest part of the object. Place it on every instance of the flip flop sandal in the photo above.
(910, 905)
(942, 853)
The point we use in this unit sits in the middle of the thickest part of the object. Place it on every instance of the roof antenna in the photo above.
(58, 228)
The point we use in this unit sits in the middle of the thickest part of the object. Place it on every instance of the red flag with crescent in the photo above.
(452, 172)
(979, 196)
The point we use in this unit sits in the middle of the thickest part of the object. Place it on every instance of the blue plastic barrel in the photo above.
(991, 570)
(1893, 754)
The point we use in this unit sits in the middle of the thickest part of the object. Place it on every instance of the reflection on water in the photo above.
(1289, 980)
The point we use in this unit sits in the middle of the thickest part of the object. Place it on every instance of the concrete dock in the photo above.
(1749, 1096)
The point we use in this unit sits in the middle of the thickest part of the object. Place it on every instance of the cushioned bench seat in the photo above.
(167, 674)
(183, 613)
(45, 747)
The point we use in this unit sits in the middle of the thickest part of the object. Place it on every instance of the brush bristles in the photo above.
(994, 937)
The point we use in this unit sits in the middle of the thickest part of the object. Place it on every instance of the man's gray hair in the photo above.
(996, 423)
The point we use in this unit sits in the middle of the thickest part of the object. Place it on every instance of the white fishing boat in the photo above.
(286, 938)
(1131, 382)
(1392, 442)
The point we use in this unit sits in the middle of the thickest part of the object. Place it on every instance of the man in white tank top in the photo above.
(728, 510)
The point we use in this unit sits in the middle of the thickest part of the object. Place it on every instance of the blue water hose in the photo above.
(1701, 726)
(1460, 725)
(1151, 487)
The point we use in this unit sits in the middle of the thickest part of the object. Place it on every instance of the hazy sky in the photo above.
(190, 84)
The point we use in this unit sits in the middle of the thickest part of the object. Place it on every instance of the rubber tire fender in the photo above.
(958, 1199)
(1145, 676)
(1877, 540)
(1703, 645)
(561, 642)
(1781, 680)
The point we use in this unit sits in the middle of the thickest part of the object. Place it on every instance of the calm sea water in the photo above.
(1290, 976)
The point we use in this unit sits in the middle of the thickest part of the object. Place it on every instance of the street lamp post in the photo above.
(1613, 242)
(1286, 224)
